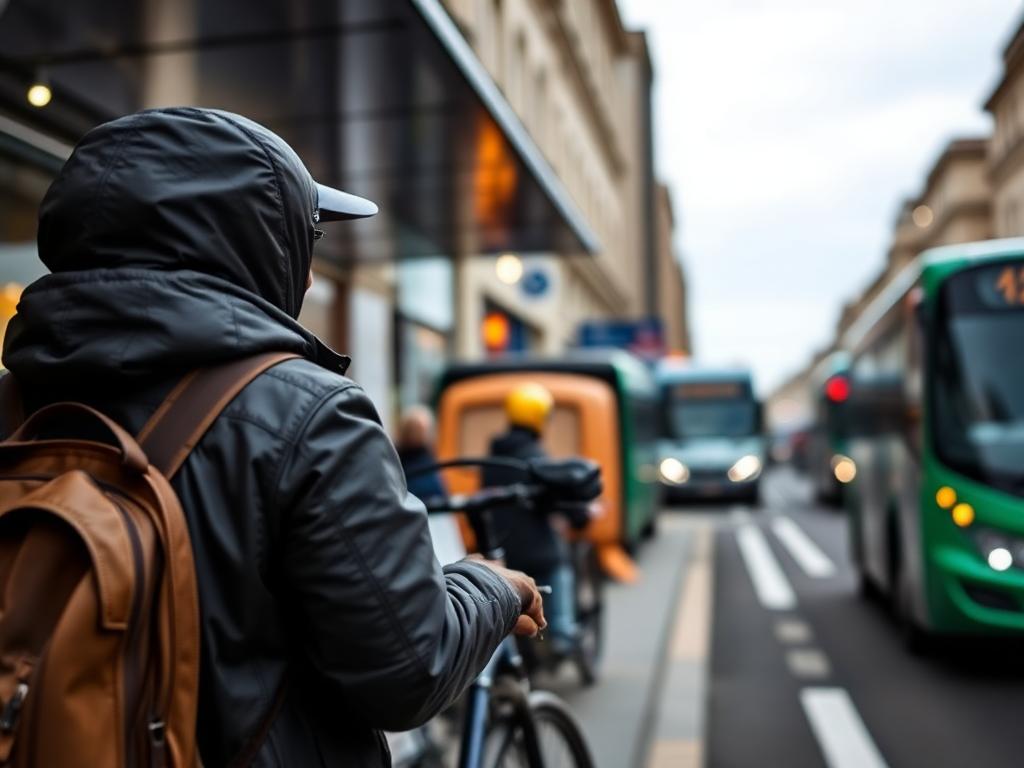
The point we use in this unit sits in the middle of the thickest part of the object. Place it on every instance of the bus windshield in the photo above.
(711, 409)
(979, 378)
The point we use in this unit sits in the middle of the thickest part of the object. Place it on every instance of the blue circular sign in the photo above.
(535, 282)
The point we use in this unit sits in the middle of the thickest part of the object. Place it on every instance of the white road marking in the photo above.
(739, 515)
(793, 631)
(808, 663)
(773, 590)
(841, 734)
(807, 554)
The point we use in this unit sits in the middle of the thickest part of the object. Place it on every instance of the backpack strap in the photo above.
(194, 404)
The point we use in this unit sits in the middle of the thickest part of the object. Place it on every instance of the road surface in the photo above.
(746, 644)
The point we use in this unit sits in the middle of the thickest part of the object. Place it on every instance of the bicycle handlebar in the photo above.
(565, 486)
(485, 499)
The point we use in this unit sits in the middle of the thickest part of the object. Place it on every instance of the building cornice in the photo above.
(665, 201)
(973, 148)
(953, 212)
(1013, 61)
(586, 87)
(931, 237)
(617, 34)
(1006, 162)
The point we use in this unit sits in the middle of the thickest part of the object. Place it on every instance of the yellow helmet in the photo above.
(529, 406)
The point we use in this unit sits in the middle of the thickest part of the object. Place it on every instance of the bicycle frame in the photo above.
(474, 730)
(490, 683)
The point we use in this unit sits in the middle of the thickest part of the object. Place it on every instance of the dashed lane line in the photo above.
(792, 631)
(770, 583)
(808, 664)
(841, 734)
(802, 548)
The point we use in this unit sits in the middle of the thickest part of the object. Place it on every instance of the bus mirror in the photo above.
(878, 407)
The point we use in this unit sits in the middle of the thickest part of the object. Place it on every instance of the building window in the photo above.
(539, 109)
(493, 39)
(516, 73)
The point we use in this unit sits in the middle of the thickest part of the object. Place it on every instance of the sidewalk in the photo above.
(621, 715)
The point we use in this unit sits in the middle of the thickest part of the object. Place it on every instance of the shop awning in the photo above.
(384, 98)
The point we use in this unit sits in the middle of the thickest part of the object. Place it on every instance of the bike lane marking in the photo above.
(841, 733)
(680, 727)
(770, 583)
(835, 722)
(803, 548)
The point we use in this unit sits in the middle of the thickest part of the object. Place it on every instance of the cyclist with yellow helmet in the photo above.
(531, 540)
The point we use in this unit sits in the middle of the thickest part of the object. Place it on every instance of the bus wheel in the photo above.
(866, 587)
(916, 639)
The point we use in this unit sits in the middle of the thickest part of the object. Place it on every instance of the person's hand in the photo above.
(531, 619)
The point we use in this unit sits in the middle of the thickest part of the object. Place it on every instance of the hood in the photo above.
(118, 329)
(185, 189)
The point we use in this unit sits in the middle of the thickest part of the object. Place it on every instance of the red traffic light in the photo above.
(837, 389)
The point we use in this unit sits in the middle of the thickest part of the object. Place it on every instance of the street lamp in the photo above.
(39, 93)
(923, 216)
(509, 268)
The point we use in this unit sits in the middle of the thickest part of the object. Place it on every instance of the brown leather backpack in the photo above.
(99, 624)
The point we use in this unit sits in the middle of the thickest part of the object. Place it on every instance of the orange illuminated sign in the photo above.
(1010, 285)
(495, 331)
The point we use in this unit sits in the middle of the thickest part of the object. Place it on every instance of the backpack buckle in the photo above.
(157, 732)
(9, 717)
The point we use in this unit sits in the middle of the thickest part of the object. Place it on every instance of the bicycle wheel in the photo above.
(589, 613)
(561, 741)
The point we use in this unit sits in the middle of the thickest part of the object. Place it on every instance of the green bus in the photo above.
(937, 437)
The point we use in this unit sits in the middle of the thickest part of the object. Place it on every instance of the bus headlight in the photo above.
(1000, 551)
(999, 559)
(674, 471)
(746, 468)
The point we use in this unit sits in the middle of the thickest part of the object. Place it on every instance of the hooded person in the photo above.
(181, 238)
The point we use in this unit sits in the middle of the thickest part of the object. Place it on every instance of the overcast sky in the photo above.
(789, 131)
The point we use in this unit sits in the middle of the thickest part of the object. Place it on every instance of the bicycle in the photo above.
(588, 591)
(505, 724)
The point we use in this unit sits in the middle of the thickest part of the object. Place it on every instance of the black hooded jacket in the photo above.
(179, 238)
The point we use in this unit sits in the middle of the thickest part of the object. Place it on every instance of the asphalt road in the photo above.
(746, 644)
(818, 676)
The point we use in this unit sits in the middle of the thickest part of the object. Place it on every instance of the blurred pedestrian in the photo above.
(182, 238)
(415, 450)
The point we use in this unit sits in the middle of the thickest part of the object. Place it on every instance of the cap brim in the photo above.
(336, 205)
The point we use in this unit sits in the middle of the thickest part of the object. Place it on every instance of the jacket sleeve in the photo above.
(394, 635)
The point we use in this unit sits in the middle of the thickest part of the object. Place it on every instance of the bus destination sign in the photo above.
(1009, 285)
